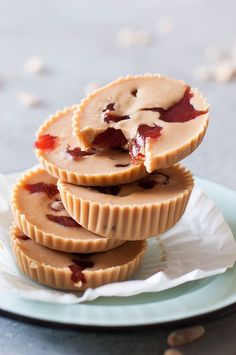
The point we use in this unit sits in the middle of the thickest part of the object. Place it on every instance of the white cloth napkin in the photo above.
(200, 245)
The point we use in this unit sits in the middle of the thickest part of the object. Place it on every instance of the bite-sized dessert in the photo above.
(59, 152)
(137, 210)
(75, 271)
(40, 214)
(159, 120)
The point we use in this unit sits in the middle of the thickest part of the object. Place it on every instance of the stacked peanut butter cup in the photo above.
(109, 180)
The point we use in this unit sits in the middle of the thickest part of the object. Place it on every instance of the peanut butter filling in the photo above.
(151, 116)
(37, 201)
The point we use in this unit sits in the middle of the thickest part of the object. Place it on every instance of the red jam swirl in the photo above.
(161, 179)
(111, 116)
(22, 237)
(77, 269)
(77, 153)
(121, 165)
(110, 138)
(109, 107)
(77, 274)
(49, 189)
(46, 141)
(137, 144)
(108, 190)
(182, 111)
(64, 221)
(84, 264)
(134, 92)
(147, 184)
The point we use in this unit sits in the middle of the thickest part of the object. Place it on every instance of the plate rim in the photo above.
(204, 317)
(220, 310)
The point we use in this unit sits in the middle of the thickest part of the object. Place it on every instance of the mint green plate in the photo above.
(193, 299)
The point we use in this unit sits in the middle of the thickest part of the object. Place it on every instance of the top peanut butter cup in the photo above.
(158, 120)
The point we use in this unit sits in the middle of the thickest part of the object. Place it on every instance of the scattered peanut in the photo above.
(185, 335)
(34, 65)
(128, 37)
(223, 66)
(27, 99)
(172, 351)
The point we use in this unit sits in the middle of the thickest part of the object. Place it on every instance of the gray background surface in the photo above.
(78, 42)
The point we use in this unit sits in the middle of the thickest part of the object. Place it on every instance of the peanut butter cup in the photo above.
(137, 210)
(40, 214)
(157, 119)
(75, 271)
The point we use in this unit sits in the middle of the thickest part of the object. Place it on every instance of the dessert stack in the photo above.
(109, 180)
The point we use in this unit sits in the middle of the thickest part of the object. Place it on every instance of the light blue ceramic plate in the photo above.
(190, 300)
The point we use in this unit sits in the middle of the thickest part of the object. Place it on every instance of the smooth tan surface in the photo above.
(50, 267)
(102, 260)
(97, 169)
(135, 213)
(132, 194)
(30, 210)
(177, 140)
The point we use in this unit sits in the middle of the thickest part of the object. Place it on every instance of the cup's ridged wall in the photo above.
(127, 222)
(61, 277)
